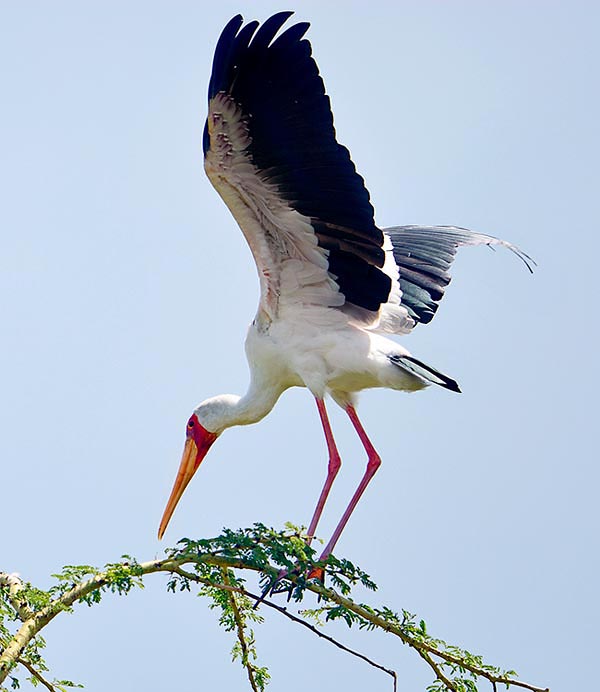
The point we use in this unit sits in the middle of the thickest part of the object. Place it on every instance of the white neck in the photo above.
(224, 411)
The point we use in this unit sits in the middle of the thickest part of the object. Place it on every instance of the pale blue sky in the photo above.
(126, 289)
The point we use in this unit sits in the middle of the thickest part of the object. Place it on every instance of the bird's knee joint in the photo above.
(335, 464)
(374, 462)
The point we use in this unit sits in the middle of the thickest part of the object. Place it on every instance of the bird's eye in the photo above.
(190, 423)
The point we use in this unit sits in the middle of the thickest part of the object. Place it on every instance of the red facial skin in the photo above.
(198, 442)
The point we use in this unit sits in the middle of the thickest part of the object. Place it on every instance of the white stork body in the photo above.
(331, 282)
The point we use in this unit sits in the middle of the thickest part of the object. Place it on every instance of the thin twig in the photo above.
(36, 674)
(330, 639)
(239, 623)
(437, 670)
(293, 618)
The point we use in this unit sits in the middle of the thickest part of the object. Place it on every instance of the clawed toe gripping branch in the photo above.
(214, 567)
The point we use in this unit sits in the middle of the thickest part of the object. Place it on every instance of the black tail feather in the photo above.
(425, 372)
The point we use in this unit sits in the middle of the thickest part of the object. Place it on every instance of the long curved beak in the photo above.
(193, 453)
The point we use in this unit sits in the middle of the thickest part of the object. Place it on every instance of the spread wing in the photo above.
(424, 254)
(271, 153)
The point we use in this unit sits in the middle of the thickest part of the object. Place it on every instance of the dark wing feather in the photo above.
(424, 255)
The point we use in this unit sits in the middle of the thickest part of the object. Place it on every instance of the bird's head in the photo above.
(198, 440)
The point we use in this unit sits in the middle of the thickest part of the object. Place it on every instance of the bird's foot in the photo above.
(276, 585)
(270, 587)
(317, 573)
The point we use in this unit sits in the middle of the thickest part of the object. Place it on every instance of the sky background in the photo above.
(126, 289)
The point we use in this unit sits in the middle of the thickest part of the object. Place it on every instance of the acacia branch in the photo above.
(422, 646)
(294, 618)
(34, 621)
(39, 619)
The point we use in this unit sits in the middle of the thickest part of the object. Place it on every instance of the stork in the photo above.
(332, 284)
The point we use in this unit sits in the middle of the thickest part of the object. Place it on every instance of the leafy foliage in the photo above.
(283, 562)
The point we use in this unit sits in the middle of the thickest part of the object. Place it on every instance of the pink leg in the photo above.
(332, 468)
(373, 463)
